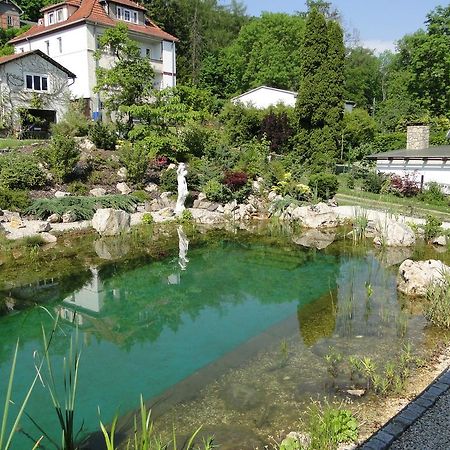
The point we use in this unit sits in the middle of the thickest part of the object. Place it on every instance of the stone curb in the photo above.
(396, 426)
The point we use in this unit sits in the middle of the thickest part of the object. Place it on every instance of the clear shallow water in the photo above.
(192, 338)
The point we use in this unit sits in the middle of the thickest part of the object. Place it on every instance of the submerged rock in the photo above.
(110, 222)
(314, 239)
(415, 277)
(242, 397)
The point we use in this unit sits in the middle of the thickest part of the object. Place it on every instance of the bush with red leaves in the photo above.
(406, 186)
(235, 180)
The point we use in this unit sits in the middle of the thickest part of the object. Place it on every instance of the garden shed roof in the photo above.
(437, 153)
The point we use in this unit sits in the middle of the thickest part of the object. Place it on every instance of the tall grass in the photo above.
(437, 309)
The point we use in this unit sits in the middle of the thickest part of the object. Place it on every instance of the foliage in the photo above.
(432, 227)
(330, 426)
(13, 200)
(20, 171)
(77, 188)
(186, 217)
(404, 186)
(277, 129)
(235, 180)
(74, 122)
(147, 218)
(63, 155)
(168, 180)
(215, 191)
(242, 123)
(130, 80)
(136, 160)
(374, 182)
(324, 185)
(253, 158)
(288, 186)
(385, 142)
(82, 207)
(320, 98)
(433, 195)
(437, 309)
(103, 136)
(266, 52)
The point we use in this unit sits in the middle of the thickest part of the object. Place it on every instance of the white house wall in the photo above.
(169, 65)
(74, 55)
(12, 86)
(264, 98)
(431, 170)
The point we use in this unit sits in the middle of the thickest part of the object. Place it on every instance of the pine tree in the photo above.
(319, 105)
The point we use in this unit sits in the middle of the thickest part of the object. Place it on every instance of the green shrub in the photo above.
(291, 188)
(19, 171)
(14, 200)
(196, 138)
(215, 191)
(63, 156)
(147, 218)
(253, 157)
(374, 182)
(186, 217)
(242, 123)
(385, 142)
(433, 195)
(77, 188)
(135, 159)
(74, 123)
(324, 185)
(103, 136)
(168, 180)
(82, 207)
(432, 227)
(142, 196)
(351, 182)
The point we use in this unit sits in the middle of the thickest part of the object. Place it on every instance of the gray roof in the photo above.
(438, 152)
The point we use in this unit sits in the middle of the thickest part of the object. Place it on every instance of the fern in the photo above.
(82, 207)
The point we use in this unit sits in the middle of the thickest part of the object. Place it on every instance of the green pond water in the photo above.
(231, 336)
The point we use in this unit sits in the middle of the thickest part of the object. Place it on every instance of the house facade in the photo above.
(69, 33)
(9, 14)
(424, 163)
(34, 91)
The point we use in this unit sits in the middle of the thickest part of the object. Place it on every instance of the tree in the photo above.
(267, 51)
(130, 80)
(31, 8)
(319, 105)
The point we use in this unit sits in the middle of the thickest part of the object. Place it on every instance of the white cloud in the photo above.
(379, 46)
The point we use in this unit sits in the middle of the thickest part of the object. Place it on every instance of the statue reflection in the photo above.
(183, 247)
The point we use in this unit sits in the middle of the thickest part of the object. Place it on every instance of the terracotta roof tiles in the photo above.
(92, 11)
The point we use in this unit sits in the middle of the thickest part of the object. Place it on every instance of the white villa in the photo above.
(69, 32)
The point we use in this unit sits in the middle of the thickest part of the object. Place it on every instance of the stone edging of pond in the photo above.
(413, 411)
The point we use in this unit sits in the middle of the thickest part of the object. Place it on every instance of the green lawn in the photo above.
(16, 143)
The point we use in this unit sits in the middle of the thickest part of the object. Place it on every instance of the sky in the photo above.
(379, 22)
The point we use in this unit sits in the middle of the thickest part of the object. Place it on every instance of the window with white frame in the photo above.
(35, 82)
(127, 15)
(59, 15)
(10, 21)
(51, 18)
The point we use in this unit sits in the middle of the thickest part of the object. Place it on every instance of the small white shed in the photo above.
(264, 96)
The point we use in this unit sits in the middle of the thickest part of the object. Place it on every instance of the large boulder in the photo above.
(314, 239)
(415, 277)
(391, 233)
(110, 222)
(315, 216)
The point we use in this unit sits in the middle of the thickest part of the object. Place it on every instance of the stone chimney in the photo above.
(418, 137)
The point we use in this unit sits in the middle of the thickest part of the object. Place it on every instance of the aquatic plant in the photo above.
(333, 359)
(437, 308)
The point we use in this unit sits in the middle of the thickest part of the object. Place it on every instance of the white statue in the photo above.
(182, 189)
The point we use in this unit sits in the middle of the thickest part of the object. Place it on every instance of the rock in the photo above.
(110, 222)
(356, 392)
(48, 238)
(97, 192)
(257, 185)
(15, 221)
(152, 187)
(393, 256)
(440, 240)
(315, 216)
(123, 188)
(69, 217)
(40, 227)
(54, 218)
(314, 239)
(415, 277)
(61, 194)
(85, 144)
(394, 234)
(122, 173)
(242, 397)
(272, 195)
(207, 217)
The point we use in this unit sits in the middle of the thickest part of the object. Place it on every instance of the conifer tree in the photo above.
(319, 105)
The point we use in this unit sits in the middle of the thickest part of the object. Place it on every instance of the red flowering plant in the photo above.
(404, 186)
(235, 180)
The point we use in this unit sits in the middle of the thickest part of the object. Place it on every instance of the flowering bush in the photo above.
(289, 187)
(235, 180)
(406, 186)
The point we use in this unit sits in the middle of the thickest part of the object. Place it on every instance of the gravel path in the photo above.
(431, 431)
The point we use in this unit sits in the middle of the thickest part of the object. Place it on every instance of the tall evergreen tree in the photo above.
(319, 105)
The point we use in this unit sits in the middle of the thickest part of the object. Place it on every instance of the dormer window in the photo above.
(59, 15)
(55, 16)
(127, 15)
(51, 18)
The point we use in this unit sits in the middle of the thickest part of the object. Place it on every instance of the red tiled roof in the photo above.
(92, 11)
(56, 5)
(129, 3)
(8, 58)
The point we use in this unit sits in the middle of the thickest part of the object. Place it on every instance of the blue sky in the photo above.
(379, 22)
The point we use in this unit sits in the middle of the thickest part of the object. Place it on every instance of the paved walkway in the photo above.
(424, 424)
